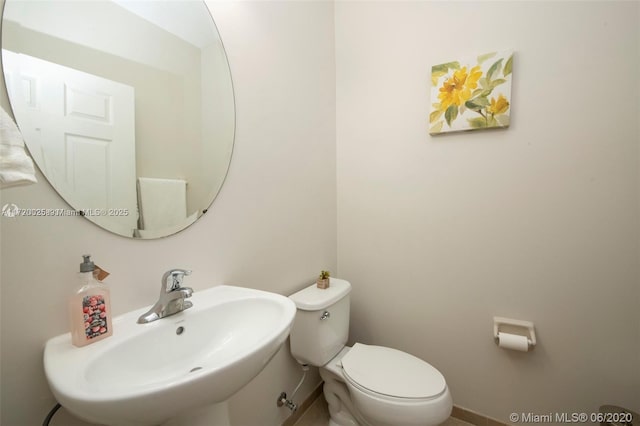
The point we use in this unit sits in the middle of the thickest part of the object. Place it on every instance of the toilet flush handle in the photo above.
(325, 315)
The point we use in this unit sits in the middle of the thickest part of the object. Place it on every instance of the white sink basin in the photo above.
(147, 373)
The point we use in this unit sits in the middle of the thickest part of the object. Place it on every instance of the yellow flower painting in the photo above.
(472, 94)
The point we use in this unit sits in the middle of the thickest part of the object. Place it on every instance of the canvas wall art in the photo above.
(471, 94)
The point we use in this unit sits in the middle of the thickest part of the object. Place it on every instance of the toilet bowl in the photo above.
(364, 384)
(386, 387)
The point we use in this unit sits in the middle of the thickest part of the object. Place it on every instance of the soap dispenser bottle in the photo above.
(90, 308)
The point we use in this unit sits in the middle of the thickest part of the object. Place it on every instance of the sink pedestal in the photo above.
(214, 414)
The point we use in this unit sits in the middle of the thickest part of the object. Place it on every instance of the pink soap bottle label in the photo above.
(95, 314)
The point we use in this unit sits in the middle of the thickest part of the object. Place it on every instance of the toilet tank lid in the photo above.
(313, 298)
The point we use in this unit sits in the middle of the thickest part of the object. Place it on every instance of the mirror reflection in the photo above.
(126, 106)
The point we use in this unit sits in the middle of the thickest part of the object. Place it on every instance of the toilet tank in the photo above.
(321, 326)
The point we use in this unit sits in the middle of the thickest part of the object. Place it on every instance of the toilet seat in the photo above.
(391, 374)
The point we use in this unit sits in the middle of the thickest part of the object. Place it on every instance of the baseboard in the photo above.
(459, 413)
(474, 418)
(302, 408)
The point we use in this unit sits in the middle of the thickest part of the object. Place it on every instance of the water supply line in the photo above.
(283, 400)
(47, 419)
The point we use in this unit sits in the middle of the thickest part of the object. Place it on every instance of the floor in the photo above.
(318, 415)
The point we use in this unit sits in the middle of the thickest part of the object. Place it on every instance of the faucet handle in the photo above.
(172, 279)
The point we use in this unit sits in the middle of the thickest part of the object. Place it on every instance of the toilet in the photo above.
(364, 385)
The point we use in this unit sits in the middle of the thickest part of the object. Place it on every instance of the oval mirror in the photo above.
(126, 107)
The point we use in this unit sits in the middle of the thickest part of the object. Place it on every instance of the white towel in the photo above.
(16, 167)
(159, 233)
(162, 202)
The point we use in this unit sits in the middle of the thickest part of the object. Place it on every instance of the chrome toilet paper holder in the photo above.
(514, 326)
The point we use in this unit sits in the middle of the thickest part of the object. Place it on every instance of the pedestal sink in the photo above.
(146, 374)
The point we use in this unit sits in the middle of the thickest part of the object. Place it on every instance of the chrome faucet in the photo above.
(172, 297)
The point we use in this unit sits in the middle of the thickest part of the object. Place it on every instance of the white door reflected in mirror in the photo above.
(68, 118)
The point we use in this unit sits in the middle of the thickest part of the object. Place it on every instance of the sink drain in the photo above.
(179, 330)
(195, 369)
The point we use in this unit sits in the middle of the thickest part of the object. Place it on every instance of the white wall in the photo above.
(272, 227)
(152, 45)
(537, 222)
(217, 120)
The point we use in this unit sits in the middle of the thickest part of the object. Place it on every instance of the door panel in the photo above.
(81, 132)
